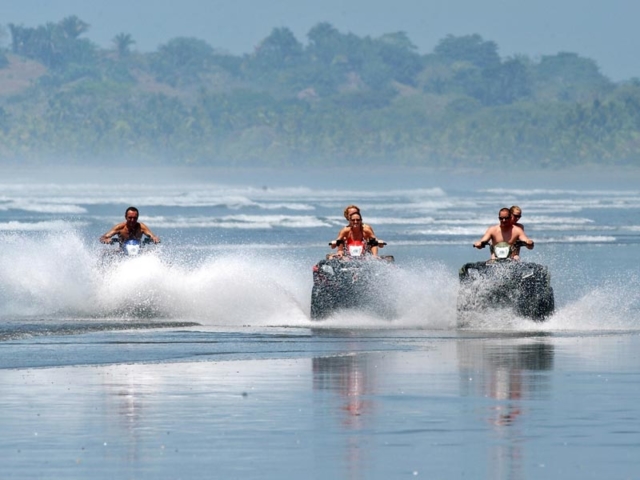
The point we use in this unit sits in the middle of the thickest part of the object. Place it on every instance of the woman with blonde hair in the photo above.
(345, 231)
(516, 213)
(350, 210)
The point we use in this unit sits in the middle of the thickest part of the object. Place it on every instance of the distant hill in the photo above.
(339, 99)
(19, 75)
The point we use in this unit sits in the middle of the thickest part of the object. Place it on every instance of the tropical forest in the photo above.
(330, 99)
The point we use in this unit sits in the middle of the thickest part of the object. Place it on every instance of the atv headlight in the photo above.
(527, 274)
(502, 250)
(474, 273)
(328, 269)
(131, 250)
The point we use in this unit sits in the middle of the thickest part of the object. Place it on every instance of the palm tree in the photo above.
(73, 27)
(123, 41)
(17, 37)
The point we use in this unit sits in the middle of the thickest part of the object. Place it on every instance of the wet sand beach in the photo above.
(197, 402)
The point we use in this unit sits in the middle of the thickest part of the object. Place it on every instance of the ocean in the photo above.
(199, 358)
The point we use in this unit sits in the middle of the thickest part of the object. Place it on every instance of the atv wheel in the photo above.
(321, 304)
(537, 304)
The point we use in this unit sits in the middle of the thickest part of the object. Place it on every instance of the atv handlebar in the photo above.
(145, 241)
(521, 243)
(518, 244)
(372, 242)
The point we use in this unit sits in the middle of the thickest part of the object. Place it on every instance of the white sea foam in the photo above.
(296, 198)
(581, 239)
(43, 226)
(40, 207)
(444, 230)
(529, 192)
(241, 222)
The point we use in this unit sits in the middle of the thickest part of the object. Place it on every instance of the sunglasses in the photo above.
(517, 216)
(503, 219)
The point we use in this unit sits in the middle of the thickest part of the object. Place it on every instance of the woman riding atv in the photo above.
(355, 238)
(348, 211)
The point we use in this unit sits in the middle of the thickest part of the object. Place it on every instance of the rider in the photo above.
(505, 231)
(357, 235)
(345, 230)
(130, 229)
(516, 214)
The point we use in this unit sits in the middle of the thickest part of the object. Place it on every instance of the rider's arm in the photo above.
(106, 238)
(341, 236)
(368, 229)
(485, 239)
(145, 230)
(374, 248)
(523, 238)
(368, 235)
(368, 232)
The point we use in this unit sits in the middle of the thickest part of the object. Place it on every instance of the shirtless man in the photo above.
(357, 235)
(505, 231)
(130, 229)
(351, 209)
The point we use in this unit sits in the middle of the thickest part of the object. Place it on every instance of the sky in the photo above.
(606, 32)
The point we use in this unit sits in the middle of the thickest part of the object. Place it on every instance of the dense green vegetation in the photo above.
(339, 98)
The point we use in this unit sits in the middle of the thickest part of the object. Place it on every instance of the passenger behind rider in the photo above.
(516, 214)
(130, 229)
(505, 231)
(345, 230)
(356, 234)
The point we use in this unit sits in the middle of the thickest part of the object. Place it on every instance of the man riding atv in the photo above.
(130, 229)
(505, 231)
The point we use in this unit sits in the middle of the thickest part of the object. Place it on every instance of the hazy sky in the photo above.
(604, 31)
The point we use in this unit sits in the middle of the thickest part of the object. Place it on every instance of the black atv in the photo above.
(357, 280)
(523, 287)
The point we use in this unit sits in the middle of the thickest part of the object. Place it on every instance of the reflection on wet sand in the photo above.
(511, 372)
(350, 376)
(352, 379)
(124, 407)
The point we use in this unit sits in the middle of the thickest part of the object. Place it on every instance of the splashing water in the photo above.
(615, 305)
(59, 276)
